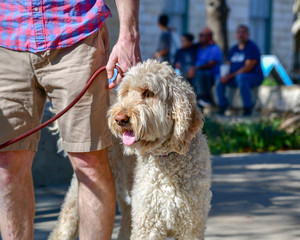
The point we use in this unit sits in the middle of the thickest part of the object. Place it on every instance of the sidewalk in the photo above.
(255, 196)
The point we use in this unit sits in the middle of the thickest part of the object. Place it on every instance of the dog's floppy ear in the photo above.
(187, 117)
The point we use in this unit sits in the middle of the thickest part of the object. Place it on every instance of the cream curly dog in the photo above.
(165, 190)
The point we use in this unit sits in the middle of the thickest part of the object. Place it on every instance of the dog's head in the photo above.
(155, 110)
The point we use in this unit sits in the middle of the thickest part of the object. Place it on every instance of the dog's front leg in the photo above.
(146, 223)
(146, 233)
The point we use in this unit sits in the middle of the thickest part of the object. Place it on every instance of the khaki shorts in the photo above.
(27, 79)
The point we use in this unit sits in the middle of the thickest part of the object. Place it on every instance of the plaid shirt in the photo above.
(35, 25)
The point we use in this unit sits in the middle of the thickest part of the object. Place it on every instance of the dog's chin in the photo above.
(130, 150)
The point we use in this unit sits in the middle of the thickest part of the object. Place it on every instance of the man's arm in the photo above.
(161, 53)
(249, 65)
(126, 52)
(210, 64)
(216, 57)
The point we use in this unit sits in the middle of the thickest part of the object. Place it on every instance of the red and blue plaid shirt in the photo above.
(35, 25)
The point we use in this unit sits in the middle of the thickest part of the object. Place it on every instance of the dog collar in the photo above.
(167, 155)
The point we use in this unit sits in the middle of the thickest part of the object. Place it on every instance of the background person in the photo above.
(164, 43)
(185, 57)
(208, 61)
(55, 60)
(245, 71)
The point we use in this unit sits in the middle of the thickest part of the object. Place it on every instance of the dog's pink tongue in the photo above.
(128, 138)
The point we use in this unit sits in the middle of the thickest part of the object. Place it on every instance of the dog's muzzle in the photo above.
(122, 119)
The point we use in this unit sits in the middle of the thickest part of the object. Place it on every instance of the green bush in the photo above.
(263, 136)
(269, 81)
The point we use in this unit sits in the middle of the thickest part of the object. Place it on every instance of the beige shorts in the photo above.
(27, 79)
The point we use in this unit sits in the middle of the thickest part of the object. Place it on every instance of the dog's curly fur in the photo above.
(166, 190)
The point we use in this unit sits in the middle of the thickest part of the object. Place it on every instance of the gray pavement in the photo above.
(255, 196)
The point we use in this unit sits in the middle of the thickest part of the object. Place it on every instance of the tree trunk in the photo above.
(216, 17)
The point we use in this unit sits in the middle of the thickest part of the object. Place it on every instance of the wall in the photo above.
(238, 14)
(282, 38)
(197, 17)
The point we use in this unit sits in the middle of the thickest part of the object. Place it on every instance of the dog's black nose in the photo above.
(121, 119)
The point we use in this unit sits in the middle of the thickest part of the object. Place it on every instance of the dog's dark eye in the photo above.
(147, 94)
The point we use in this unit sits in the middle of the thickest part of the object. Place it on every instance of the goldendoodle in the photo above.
(164, 190)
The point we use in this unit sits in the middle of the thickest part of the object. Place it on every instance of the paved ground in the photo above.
(255, 196)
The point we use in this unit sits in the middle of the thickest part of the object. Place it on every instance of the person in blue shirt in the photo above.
(185, 57)
(207, 67)
(245, 71)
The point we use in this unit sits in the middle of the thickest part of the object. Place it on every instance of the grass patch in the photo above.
(262, 136)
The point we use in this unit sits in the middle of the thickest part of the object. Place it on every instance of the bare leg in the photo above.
(97, 197)
(16, 195)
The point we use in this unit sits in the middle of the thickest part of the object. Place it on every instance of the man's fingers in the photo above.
(110, 72)
(110, 69)
(115, 82)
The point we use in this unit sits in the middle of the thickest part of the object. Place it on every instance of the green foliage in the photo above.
(263, 136)
(269, 81)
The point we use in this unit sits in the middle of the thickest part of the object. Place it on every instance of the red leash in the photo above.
(88, 84)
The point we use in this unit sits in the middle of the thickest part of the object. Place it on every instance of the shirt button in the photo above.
(36, 9)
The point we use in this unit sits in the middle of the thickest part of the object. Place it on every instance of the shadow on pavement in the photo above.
(255, 196)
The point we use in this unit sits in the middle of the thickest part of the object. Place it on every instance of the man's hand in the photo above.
(178, 65)
(126, 52)
(226, 78)
(249, 65)
(191, 72)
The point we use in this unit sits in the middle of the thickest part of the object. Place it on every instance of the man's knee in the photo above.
(220, 86)
(90, 164)
(242, 80)
(88, 159)
(240, 77)
(15, 166)
(13, 160)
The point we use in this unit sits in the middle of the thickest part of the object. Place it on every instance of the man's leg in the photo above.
(16, 195)
(220, 90)
(84, 129)
(221, 95)
(97, 197)
(206, 81)
(196, 84)
(246, 81)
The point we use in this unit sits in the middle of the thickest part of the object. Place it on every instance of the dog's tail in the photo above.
(67, 225)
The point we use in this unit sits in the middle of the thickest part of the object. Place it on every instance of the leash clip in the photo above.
(117, 70)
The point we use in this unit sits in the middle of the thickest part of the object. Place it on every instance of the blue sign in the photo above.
(270, 62)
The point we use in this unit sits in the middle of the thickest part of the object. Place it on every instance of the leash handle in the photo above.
(117, 70)
(51, 120)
